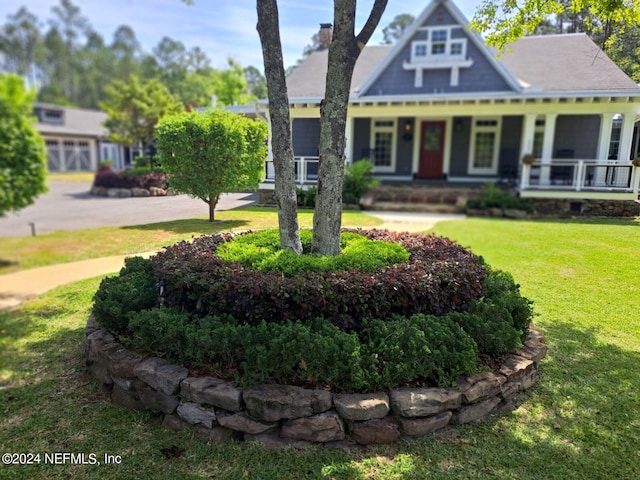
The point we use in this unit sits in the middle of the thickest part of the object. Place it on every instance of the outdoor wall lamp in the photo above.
(408, 131)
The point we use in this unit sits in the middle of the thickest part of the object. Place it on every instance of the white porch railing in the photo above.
(306, 169)
(581, 175)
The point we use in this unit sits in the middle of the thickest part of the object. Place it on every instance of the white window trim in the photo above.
(441, 61)
(475, 129)
(441, 58)
(394, 140)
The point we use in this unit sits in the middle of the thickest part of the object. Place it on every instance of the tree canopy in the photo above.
(503, 21)
(207, 154)
(22, 153)
(134, 110)
(69, 63)
(397, 27)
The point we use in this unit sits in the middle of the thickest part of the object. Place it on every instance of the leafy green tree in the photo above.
(22, 152)
(625, 51)
(506, 21)
(256, 84)
(207, 154)
(230, 85)
(397, 27)
(21, 45)
(134, 110)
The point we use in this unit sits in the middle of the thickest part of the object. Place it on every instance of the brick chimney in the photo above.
(324, 36)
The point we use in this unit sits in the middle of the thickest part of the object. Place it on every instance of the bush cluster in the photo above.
(492, 196)
(424, 321)
(111, 179)
(261, 251)
(358, 180)
(430, 282)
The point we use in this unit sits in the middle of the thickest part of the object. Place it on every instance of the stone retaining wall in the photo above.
(586, 207)
(283, 415)
(131, 192)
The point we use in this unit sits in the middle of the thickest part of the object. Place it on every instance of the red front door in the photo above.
(431, 150)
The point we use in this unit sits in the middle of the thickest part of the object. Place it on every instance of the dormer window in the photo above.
(420, 50)
(440, 50)
(51, 116)
(439, 42)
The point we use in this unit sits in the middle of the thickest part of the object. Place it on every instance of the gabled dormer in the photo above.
(441, 49)
(439, 55)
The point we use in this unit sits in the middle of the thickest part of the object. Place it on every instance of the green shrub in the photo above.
(141, 162)
(306, 197)
(261, 251)
(292, 352)
(358, 179)
(143, 170)
(422, 347)
(439, 277)
(423, 321)
(134, 289)
(492, 196)
(500, 290)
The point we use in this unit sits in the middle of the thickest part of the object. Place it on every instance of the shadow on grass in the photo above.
(8, 266)
(581, 420)
(191, 225)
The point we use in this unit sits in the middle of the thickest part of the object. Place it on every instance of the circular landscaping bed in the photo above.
(392, 312)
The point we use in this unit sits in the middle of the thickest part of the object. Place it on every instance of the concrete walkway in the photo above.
(19, 286)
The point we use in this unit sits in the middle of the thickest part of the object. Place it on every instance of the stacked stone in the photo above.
(283, 415)
(131, 192)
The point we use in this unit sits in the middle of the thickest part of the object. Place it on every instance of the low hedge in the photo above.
(439, 277)
(424, 321)
(112, 179)
(261, 251)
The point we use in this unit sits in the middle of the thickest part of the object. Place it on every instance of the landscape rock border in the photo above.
(290, 416)
(131, 192)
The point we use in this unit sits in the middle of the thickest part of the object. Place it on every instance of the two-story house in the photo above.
(439, 105)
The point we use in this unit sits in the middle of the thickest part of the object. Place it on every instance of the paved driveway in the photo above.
(69, 206)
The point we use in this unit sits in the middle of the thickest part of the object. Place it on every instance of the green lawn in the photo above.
(580, 421)
(68, 246)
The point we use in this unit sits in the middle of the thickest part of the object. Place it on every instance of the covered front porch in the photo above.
(580, 179)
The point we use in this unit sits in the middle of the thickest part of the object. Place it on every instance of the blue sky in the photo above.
(222, 28)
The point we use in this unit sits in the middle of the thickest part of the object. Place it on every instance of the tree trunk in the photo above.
(343, 53)
(285, 188)
(212, 202)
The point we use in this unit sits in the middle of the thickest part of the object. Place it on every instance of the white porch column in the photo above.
(348, 147)
(606, 122)
(626, 137)
(547, 146)
(528, 134)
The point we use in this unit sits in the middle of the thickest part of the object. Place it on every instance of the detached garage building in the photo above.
(76, 139)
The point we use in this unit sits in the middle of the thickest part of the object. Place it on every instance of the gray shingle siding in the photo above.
(305, 137)
(480, 77)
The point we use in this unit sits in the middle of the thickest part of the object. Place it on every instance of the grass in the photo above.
(82, 177)
(64, 246)
(580, 421)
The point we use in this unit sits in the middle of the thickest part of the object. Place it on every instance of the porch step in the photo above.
(419, 198)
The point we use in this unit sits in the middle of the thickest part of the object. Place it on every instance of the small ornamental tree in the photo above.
(206, 154)
(134, 110)
(22, 153)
